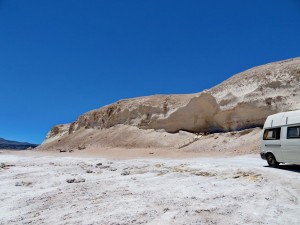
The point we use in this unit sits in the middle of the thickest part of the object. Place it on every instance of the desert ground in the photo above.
(145, 187)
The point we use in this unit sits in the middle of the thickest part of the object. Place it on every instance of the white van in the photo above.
(280, 141)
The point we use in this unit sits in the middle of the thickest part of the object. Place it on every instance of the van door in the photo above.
(291, 145)
(272, 142)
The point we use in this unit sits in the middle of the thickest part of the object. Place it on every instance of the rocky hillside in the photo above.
(243, 101)
(5, 144)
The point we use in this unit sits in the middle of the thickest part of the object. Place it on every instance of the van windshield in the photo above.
(272, 134)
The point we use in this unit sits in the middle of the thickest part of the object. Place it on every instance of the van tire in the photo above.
(272, 160)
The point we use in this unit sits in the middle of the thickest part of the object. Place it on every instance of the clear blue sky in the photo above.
(61, 58)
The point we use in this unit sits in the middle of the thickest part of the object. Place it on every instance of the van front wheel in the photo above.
(272, 161)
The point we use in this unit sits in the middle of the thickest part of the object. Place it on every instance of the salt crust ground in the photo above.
(207, 190)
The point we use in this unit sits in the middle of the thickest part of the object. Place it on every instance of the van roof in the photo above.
(283, 118)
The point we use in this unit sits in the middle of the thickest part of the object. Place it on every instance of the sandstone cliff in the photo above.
(243, 101)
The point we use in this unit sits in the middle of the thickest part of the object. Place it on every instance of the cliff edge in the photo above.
(241, 102)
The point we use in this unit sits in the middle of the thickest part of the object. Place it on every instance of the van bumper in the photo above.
(263, 155)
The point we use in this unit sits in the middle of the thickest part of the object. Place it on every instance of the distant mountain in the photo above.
(6, 144)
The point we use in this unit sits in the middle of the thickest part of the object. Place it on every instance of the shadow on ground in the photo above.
(288, 167)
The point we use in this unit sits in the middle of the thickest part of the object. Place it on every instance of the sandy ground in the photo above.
(63, 188)
(136, 141)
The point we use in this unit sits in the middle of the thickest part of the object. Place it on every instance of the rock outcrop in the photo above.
(57, 132)
(243, 101)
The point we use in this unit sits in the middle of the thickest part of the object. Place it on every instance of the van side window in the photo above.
(293, 132)
(272, 134)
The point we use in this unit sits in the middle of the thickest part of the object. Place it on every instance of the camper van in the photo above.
(280, 141)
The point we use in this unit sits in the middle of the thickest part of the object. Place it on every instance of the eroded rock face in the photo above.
(247, 98)
(140, 112)
(57, 132)
(242, 101)
(195, 116)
